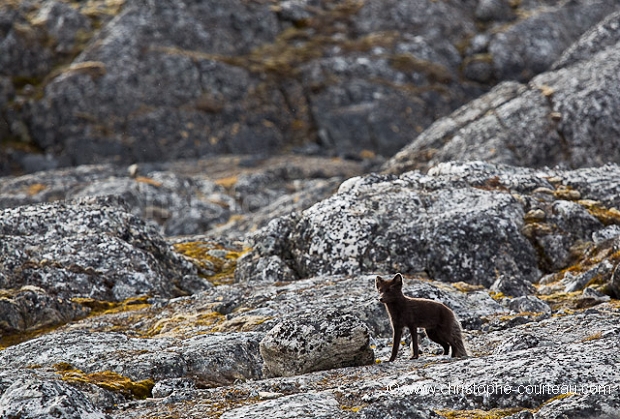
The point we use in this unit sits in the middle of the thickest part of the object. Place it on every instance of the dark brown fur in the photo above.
(439, 321)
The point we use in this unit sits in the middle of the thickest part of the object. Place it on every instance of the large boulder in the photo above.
(31, 398)
(326, 341)
(91, 248)
(30, 308)
(471, 222)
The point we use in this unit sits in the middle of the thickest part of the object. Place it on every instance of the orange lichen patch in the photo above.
(216, 263)
(593, 336)
(605, 215)
(36, 188)
(227, 182)
(16, 338)
(148, 181)
(353, 409)
(108, 380)
(497, 295)
(567, 193)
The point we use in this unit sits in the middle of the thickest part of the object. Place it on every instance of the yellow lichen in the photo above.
(108, 380)
(35, 188)
(216, 263)
(467, 288)
(353, 409)
(605, 215)
(593, 336)
(148, 181)
(99, 307)
(241, 324)
(497, 295)
(181, 324)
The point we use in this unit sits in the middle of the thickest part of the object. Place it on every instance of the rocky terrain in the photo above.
(200, 194)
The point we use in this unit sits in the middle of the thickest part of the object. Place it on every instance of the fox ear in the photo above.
(378, 282)
(398, 279)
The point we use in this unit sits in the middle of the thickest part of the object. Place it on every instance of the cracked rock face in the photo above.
(455, 232)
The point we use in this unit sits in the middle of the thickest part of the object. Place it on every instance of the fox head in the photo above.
(389, 289)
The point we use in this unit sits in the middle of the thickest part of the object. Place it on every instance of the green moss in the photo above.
(108, 380)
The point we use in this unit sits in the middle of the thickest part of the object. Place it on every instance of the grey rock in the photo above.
(589, 404)
(31, 398)
(553, 120)
(90, 249)
(517, 343)
(63, 24)
(511, 286)
(222, 358)
(188, 197)
(579, 282)
(180, 205)
(165, 388)
(494, 10)
(607, 233)
(32, 308)
(531, 46)
(210, 360)
(385, 223)
(323, 342)
(314, 405)
(528, 303)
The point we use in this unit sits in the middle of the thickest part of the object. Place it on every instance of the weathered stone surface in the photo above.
(407, 224)
(294, 406)
(484, 224)
(210, 360)
(556, 119)
(530, 46)
(324, 341)
(90, 249)
(33, 398)
(30, 308)
(347, 78)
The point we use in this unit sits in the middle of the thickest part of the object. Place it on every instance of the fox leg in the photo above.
(398, 333)
(415, 350)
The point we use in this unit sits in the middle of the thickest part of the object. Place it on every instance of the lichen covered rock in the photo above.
(92, 248)
(325, 342)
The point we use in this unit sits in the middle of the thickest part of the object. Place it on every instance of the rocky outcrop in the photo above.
(90, 249)
(565, 116)
(324, 341)
(473, 222)
(132, 81)
(30, 398)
